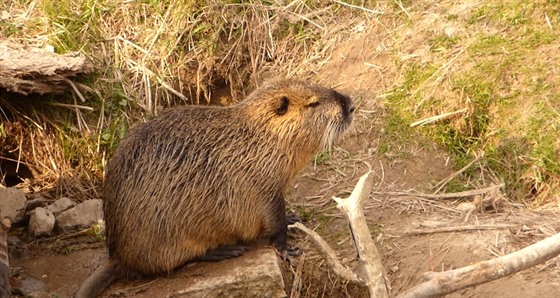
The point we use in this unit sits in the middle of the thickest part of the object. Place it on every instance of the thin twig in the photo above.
(444, 182)
(359, 7)
(437, 118)
(298, 278)
(72, 106)
(452, 195)
(399, 3)
(331, 257)
(75, 88)
(457, 229)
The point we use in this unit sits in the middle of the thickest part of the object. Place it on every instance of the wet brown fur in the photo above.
(196, 178)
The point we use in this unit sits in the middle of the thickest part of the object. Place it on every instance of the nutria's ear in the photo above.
(282, 106)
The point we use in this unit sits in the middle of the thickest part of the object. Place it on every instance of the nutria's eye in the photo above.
(283, 106)
(313, 104)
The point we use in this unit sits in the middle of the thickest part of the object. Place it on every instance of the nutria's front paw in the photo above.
(292, 218)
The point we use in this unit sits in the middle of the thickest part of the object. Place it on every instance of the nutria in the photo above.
(194, 180)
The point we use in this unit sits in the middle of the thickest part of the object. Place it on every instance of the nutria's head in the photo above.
(304, 116)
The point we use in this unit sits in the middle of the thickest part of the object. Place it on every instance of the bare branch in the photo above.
(457, 229)
(441, 283)
(367, 251)
(452, 195)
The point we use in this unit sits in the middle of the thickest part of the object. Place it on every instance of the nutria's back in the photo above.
(196, 178)
(190, 186)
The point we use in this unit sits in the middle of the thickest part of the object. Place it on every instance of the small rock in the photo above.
(12, 204)
(61, 205)
(41, 222)
(39, 295)
(84, 215)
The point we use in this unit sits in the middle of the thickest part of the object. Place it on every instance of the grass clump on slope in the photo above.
(494, 67)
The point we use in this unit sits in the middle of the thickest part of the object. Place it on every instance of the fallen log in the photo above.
(4, 262)
(26, 70)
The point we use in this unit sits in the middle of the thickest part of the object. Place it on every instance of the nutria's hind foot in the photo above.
(223, 253)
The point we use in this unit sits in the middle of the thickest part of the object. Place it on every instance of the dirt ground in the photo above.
(362, 67)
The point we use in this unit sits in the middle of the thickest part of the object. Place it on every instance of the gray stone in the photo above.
(257, 274)
(41, 222)
(28, 285)
(84, 215)
(12, 204)
(61, 205)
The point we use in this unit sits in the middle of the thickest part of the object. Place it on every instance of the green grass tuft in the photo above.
(506, 81)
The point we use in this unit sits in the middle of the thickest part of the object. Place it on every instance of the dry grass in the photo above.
(148, 55)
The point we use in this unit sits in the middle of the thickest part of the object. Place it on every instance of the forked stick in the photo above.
(367, 251)
(372, 272)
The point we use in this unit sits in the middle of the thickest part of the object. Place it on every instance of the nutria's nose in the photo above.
(345, 102)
